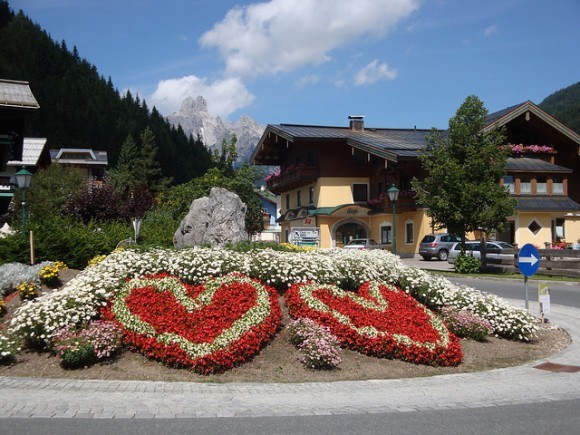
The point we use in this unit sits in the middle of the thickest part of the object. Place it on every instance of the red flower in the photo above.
(379, 321)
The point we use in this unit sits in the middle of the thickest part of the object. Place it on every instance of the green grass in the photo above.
(490, 275)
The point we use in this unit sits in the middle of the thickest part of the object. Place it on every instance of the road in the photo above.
(560, 417)
(561, 293)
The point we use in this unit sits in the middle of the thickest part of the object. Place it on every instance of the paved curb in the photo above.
(35, 398)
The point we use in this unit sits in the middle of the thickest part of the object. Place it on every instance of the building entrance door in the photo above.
(349, 231)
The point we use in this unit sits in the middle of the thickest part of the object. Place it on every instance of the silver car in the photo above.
(362, 244)
(437, 245)
(494, 249)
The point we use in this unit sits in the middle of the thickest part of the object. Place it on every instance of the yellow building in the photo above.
(335, 179)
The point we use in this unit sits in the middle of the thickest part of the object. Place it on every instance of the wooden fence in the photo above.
(553, 262)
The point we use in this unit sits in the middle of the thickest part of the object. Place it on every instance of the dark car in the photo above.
(437, 245)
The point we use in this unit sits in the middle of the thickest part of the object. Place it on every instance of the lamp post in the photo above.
(23, 178)
(393, 196)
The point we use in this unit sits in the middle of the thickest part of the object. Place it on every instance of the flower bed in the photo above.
(210, 327)
(378, 321)
(81, 299)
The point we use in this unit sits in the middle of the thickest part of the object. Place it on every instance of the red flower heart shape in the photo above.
(377, 320)
(210, 327)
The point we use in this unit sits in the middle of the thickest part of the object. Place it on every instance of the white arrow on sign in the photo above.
(532, 259)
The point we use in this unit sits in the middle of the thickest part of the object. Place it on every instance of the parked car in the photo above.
(362, 244)
(494, 249)
(437, 245)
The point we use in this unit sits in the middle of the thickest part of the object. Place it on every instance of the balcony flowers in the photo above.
(377, 320)
(519, 149)
(209, 328)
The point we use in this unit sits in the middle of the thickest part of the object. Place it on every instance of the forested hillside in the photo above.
(81, 109)
(564, 105)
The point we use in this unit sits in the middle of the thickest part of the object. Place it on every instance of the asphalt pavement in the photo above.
(98, 399)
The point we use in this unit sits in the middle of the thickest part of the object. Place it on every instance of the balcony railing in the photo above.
(292, 178)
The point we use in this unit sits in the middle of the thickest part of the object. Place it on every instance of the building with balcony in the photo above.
(335, 179)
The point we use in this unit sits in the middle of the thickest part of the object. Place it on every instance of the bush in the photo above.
(49, 273)
(72, 242)
(466, 324)
(28, 290)
(320, 348)
(465, 263)
(8, 348)
(82, 347)
(12, 274)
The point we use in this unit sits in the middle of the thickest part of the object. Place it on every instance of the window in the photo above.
(534, 227)
(311, 195)
(525, 185)
(541, 185)
(360, 192)
(508, 181)
(409, 232)
(386, 234)
(298, 199)
(557, 186)
(287, 201)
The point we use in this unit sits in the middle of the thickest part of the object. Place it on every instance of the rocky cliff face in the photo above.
(195, 119)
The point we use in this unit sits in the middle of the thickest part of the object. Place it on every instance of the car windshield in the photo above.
(357, 242)
(428, 239)
(503, 245)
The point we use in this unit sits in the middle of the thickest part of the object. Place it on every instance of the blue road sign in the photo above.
(528, 260)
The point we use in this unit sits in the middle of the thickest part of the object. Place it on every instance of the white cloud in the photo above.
(283, 35)
(223, 96)
(490, 31)
(373, 72)
(306, 81)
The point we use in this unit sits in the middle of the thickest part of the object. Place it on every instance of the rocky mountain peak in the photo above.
(194, 119)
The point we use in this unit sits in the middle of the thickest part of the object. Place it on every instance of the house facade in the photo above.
(16, 103)
(335, 180)
(91, 163)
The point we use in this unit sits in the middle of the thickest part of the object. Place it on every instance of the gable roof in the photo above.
(388, 143)
(17, 94)
(504, 116)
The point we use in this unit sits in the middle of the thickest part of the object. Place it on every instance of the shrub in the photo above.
(49, 273)
(8, 348)
(321, 349)
(465, 263)
(12, 274)
(82, 347)
(28, 290)
(2, 307)
(466, 324)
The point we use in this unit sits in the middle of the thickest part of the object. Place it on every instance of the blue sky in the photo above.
(401, 63)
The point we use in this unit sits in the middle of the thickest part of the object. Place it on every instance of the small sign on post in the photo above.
(528, 263)
(544, 300)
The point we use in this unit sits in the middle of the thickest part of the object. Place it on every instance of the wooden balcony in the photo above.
(292, 178)
(405, 203)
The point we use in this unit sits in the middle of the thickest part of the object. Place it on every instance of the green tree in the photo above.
(50, 190)
(226, 158)
(124, 175)
(147, 167)
(461, 189)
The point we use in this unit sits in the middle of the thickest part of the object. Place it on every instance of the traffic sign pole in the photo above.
(526, 290)
(528, 263)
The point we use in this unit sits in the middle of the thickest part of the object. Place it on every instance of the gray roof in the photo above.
(547, 203)
(31, 151)
(526, 164)
(73, 156)
(391, 141)
(17, 94)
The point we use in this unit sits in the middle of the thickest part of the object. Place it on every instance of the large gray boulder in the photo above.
(216, 220)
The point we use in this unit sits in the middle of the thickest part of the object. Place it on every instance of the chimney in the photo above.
(357, 122)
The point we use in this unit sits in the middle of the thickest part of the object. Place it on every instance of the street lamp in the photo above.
(23, 178)
(393, 196)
